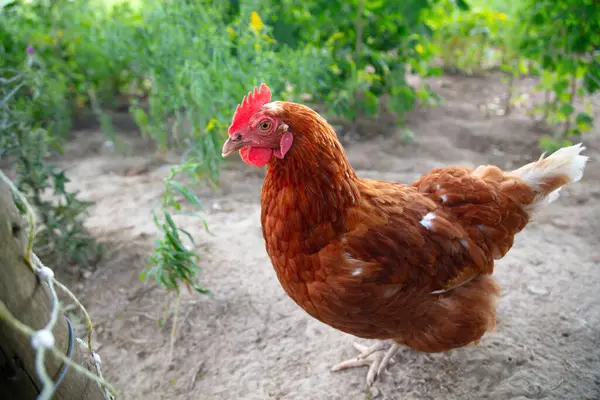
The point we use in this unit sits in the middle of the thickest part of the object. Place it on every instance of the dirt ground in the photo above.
(250, 341)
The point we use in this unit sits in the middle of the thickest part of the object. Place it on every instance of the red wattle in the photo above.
(256, 156)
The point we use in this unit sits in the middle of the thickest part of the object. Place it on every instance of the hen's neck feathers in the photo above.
(316, 164)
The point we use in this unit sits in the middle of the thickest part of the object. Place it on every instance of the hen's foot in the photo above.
(375, 357)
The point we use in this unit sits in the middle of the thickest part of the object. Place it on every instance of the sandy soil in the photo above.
(250, 341)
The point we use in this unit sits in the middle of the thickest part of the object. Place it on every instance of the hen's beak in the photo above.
(231, 145)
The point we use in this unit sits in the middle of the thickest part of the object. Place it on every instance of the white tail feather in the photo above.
(553, 196)
(565, 163)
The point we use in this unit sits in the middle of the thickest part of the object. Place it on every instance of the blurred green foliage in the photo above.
(468, 40)
(372, 45)
(556, 40)
(563, 38)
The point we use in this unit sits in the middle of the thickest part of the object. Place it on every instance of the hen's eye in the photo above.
(264, 125)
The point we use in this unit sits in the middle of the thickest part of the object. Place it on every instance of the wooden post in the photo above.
(30, 302)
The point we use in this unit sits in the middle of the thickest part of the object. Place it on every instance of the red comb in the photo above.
(250, 105)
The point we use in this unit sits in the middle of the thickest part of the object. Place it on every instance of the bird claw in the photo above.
(375, 357)
(367, 351)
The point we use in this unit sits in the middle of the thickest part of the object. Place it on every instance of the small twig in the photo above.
(138, 342)
(141, 292)
(195, 372)
(556, 386)
(147, 315)
(8, 81)
(359, 28)
(546, 106)
(174, 327)
(510, 90)
(165, 317)
(12, 93)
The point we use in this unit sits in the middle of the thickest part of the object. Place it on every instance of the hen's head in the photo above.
(257, 130)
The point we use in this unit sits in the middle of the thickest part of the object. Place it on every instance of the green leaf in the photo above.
(591, 79)
(548, 62)
(550, 145)
(584, 122)
(370, 103)
(561, 85)
(462, 5)
(538, 18)
(187, 193)
(170, 222)
(402, 99)
(566, 109)
(583, 118)
(435, 71)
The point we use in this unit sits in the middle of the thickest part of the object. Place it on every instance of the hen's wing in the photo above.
(435, 234)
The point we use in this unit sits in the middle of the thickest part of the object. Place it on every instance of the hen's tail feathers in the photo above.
(548, 175)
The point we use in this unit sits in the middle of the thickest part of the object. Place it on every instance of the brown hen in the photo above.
(382, 260)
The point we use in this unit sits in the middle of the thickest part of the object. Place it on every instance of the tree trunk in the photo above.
(30, 302)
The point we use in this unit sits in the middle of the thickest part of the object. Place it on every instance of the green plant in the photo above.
(559, 41)
(52, 62)
(469, 40)
(373, 44)
(563, 37)
(172, 262)
(63, 235)
(86, 51)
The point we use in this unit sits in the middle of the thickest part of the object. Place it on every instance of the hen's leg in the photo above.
(373, 356)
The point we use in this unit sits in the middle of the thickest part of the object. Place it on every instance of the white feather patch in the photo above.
(427, 220)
